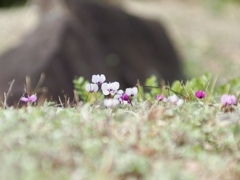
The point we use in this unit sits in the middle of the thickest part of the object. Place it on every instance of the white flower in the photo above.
(118, 94)
(91, 87)
(98, 79)
(111, 102)
(131, 91)
(180, 102)
(110, 88)
(174, 100)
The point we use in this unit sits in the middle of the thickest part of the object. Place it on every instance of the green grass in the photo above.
(146, 141)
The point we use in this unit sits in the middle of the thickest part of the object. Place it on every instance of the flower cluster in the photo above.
(125, 97)
(97, 80)
(114, 96)
(111, 91)
(110, 88)
(226, 100)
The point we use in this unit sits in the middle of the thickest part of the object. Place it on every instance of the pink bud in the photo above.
(160, 97)
(200, 94)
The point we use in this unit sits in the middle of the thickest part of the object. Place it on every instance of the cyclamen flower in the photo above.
(228, 100)
(200, 94)
(31, 99)
(98, 79)
(180, 102)
(126, 98)
(110, 88)
(160, 97)
(110, 102)
(174, 100)
(131, 91)
(118, 94)
(91, 87)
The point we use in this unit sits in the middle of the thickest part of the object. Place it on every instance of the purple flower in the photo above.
(30, 99)
(126, 97)
(160, 97)
(228, 100)
(91, 87)
(200, 94)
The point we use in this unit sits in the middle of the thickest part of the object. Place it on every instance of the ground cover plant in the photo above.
(150, 131)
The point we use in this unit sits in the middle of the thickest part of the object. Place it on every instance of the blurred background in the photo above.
(206, 33)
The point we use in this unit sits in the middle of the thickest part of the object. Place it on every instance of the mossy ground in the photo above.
(144, 141)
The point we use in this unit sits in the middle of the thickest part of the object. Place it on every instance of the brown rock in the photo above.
(82, 38)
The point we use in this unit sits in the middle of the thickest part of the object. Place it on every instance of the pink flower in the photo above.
(30, 99)
(228, 100)
(160, 97)
(200, 94)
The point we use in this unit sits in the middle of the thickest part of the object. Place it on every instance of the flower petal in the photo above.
(105, 92)
(95, 78)
(128, 91)
(160, 97)
(173, 98)
(24, 99)
(104, 86)
(134, 90)
(95, 87)
(180, 102)
(115, 85)
(88, 87)
(102, 78)
(32, 98)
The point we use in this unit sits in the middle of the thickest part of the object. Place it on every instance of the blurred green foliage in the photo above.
(219, 5)
(190, 87)
(79, 86)
(232, 87)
